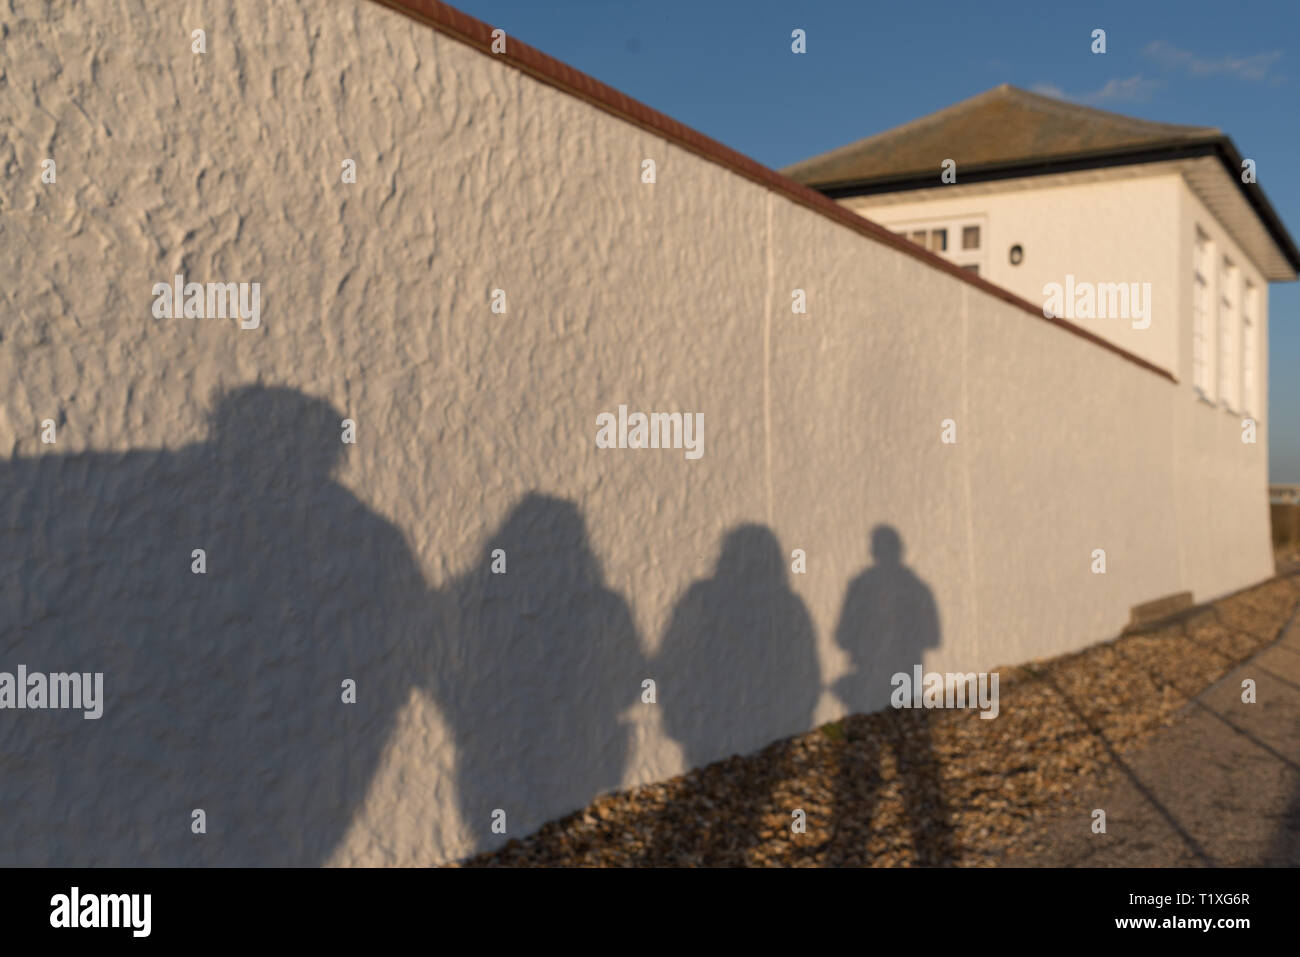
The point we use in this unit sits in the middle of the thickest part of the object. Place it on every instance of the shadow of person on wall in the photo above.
(225, 674)
(544, 661)
(737, 670)
(888, 621)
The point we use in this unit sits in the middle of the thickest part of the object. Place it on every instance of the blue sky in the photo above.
(724, 67)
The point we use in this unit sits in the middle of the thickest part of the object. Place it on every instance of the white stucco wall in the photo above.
(476, 431)
(1109, 230)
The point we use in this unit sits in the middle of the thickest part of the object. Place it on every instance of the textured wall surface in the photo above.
(476, 431)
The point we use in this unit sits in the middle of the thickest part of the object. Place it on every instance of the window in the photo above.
(934, 237)
(1249, 308)
(1200, 317)
(1227, 329)
(935, 240)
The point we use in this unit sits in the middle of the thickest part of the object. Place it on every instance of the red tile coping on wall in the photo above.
(477, 34)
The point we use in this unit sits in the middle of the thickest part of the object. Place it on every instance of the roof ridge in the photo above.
(1005, 91)
(1032, 98)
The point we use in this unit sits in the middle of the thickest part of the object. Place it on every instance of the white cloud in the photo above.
(1046, 89)
(1133, 88)
(1130, 89)
(1254, 67)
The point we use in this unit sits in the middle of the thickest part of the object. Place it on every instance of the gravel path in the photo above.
(1149, 727)
(1220, 787)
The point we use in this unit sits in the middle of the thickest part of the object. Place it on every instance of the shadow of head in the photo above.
(886, 545)
(751, 553)
(553, 520)
(301, 433)
(548, 547)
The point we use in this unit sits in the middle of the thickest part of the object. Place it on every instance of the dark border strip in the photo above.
(460, 26)
(1254, 193)
(1065, 163)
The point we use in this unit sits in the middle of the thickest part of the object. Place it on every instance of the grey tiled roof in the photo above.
(1004, 126)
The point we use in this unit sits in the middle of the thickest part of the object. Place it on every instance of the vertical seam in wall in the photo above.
(973, 634)
(1180, 543)
(1186, 230)
(767, 362)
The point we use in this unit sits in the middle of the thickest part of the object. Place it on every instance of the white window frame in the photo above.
(1202, 253)
(1249, 346)
(1229, 302)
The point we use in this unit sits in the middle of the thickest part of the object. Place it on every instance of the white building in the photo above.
(1040, 192)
